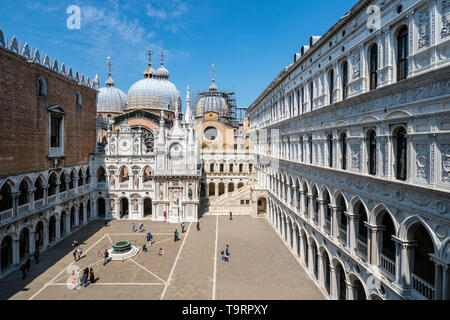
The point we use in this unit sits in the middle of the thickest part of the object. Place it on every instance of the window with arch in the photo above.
(311, 95)
(343, 139)
(330, 150)
(39, 190)
(297, 92)
(80, 178)
(211, 167)
(231, 168)
(402, 54)
(373, 67)
(41, 87)
(344, 80)
(72, 180)
(400, 145)
(147, 174)
(88, 176)
(331, 85)
(23, 196)
(6, 201)
(241, 168)
(52, 184)
(78, 99)
(310, 142)
(101, 175)
(124, 177)
(148, 138)
(62, 186)
(372, 152)
(302, 91)
(301, 149)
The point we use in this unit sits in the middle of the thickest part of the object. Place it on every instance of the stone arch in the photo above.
(336, 195)
(376, 216)
(411, 221)
(354, 279)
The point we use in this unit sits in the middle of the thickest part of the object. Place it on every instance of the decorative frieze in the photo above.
(423, 28)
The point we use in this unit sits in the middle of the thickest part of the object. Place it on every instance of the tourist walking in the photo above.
(175, 236)
(75, 255)
(36, 256)
(133, 227)
(106, 222)
(222, 255)
(141, 226)
(106, 257)
(74, 280)
(79, 253)
(28, 264)
(23, 270)
(231, 215)
(149, 237)
(182, 227)
(84, 278)
(227, 251)
(161, 252)
(75, 244)
(165, 215)
(91, 276)
(144, 249)
(198, 226)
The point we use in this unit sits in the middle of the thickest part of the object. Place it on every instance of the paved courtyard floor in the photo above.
(260, 267)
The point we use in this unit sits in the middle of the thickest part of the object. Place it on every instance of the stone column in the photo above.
(15, 201)
(311, 207)
(216, 189)
(15, 252)
(58, 229)
(351, 232)
(77, 220)
(310, 259)
(295, 240)
(207, 190)
(283, 227)
(375, 235)
(302, 247)
(333, 283)
(349, 291)
(46, 236)
(303, 203)
(45, 187)
(32, 242)
(334, 229)
(321, 269)
(445, 282)
(295, 200)
(403, 266)
(437, 281)
(289, 234)
(31, 199)
(321, 214)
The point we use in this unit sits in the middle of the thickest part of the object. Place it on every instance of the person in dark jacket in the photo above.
(84, 278)
(91, 276)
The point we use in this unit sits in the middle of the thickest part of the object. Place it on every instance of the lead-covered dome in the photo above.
(111, 99)
(154, 92)
(212, 101)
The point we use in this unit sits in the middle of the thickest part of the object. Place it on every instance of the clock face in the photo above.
(124, 145)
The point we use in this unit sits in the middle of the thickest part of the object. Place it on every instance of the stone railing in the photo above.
(361, 248)
(343, 236)
(63, 195)
(72, 192)
(51, 199)
(6, 215)
(24, 209)
(387, 265)
(39, 203)
(423, 287)
(327, 226)
(101, 185)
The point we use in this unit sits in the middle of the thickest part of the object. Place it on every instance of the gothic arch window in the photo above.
(149, 139)
(344, 80)
(343, 151)
(372, 152)
(310, 142)
(62, 186)
(301, 149)
(41, 87)
(124, 177)
(331, 85)
(80, 178)
(400, 145)
(72, 180)
(39, 189)
(101, 176)
(302, 91)
(78, 99)
(23, 189)
(88, 176)
(373, 67)
(211, 167)
(52, 184)
(147, 174)
(330, 150)
(311, 95)
(402, 54)
(6, 202)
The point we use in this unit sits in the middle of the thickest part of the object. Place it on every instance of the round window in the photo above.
(211, 133)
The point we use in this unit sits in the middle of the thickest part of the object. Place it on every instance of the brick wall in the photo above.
(24, 143)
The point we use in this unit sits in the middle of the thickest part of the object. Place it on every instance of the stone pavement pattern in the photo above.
(260, 267)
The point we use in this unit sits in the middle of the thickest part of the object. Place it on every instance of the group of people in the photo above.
(27, 265)
(77, 251)
(141, 227)
(87, 277)
(225, 254)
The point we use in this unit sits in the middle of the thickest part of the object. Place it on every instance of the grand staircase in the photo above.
(222, 205)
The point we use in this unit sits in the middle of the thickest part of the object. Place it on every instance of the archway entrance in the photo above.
(124, 207)
(147, 207)
(6, 252)
(39, 236)
(24, 243)
(202, 190)
(101, 208)
(230, 187)
(262, 206)
(221, 188)
(52, 229)
(341, 282)
(212, 189)
(72, 219)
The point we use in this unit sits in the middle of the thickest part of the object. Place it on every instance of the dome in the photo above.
(162, 73)
(212, 102)
(151, 93)
(111, 99)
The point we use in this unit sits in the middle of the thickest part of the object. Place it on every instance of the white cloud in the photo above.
(156, 13)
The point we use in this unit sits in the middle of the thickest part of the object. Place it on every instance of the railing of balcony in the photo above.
(51, 199)
(361, 247)
(343, 236)
(423, 287)
(24, 209)
(39, 203)
(5, 215)
(387, 264)
(328, 226)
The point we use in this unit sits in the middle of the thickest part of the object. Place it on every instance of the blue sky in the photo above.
(249, 41)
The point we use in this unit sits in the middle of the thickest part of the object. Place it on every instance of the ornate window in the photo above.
(310, 149)
(331, 85)
(402, 54)
(78, 99)
(72, 180)
(344, 80)
(39, 192)
(52, 184)
(344, 151)
(6, 202)
(23, 189)
(401, 153)
(330, 150)
(372, 152)
(149, 139)
(56, 131)
(80, 178)
(302, 90)
(301, 149)
(373, 67)
(62, 186)
(41, 87)
(147, 174)
(311, 95)
(101, 176)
